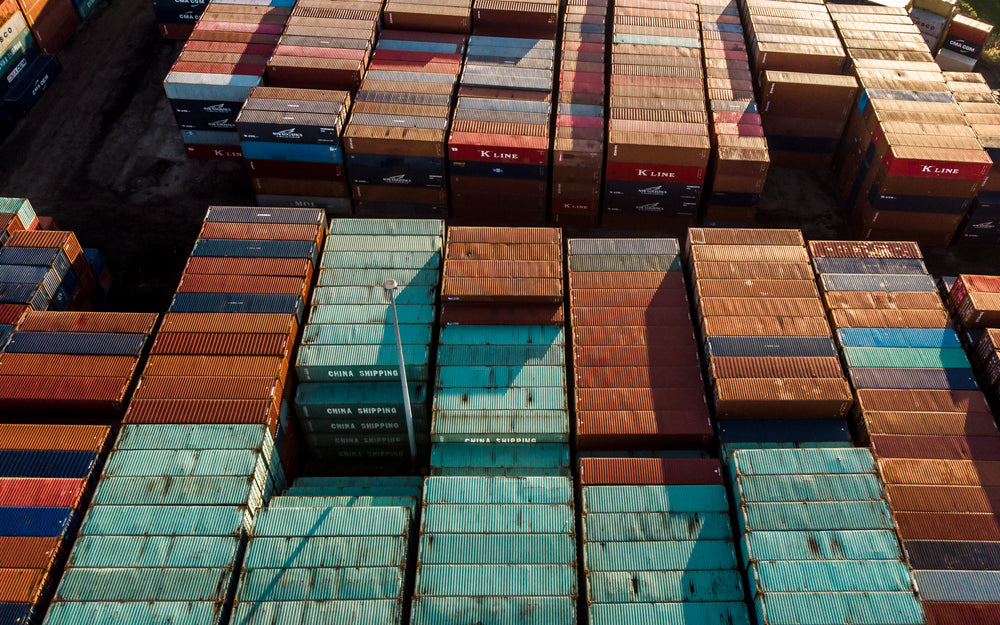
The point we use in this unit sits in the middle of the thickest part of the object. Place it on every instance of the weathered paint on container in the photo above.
(498, 549)
(492, 519)
(320, 584)
(656, 526)
(794, 576)
(151, 585)
(114, 552)
(681, 498)
(898, 608)
(833, 487)
(480, 490)
(907, 357)
(820, 545)
(485, 580)
(688, 612)
(802, 462)
(494, 610)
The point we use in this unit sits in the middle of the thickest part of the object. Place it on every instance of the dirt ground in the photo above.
(102, 154)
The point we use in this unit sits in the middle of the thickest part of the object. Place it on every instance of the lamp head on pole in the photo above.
(389, 285)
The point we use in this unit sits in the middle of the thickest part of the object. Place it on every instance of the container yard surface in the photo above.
(101, 154)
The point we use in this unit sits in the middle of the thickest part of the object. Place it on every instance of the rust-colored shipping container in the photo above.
(752, 307)
(508, 314)
(611, 316)
(40, 492)
(11, 313)
(890, 318)
(779, 398)
(756, 288)
(905, 400)
(629, 298)
(40, 396)
(261, 232)
(22, 585)
(502, 269)
(277, 285)
(948, 526)
(936, 447)
(942, 613)
(619, 377)
(523, 290)
(251, 323)
(631, 356)
(67, 365)
(638, 399)
(212, 265)
(587, 336)
(749, 253)
(221, 344)
(66, 241)
(729, 270)
(203, 411)
(941, 498)
(28, 552)
(766, 326)
(91, 438)
(744, 236)
(865, 249)
(930, 472)
(112, 323)
(205, 387)
(501, 251)
(687, 426)
(660, 280)
(931, 423)
(906, 300)
(479, 234)
(651, 471)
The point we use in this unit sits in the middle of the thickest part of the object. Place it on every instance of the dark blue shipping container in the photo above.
(30, 86)
(77, 343)
(205, 114)
(237, 303)
(19, 67)
(228, 248)
(917, 203)
(898, 266)
(46, 464)
(501, 170)
(36, 257)
(17, 613)
(33, 294)
(771, 346)
(953, 555)
(782, 430)
(22, 521)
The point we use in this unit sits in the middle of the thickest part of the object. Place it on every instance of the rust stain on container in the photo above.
(789, 368)
(753, 307)
(865, 249)
(744, 236)
(619, 377)
(67, 365)
(782, 398)
(749, 253)
(254, 323)
(219, 344)
(766, 326)
(905, 300)
(931, 423)
(626, 471)
(881, 400)
(890, 319)
(294, 267)
(113, 323)
(945, 526)
(936, 447)
(502, 251)
(940, 498)
(954, 472)
(681, 426)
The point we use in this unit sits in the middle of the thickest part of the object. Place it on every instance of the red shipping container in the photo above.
(672, 471)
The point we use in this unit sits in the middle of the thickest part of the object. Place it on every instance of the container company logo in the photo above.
(288, 133)
(931, 169)
(40, 85)
(647, 173)
(492, 154)
(188, 17)
(221, 123)
(986, 225)
(17, 70)
(400, 179)
(657, 190)
(650, 208)
(218, 108)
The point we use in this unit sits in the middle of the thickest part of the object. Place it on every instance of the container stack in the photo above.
(163, 537)
(798, 62)
(497, 550)
(224, 58)
(69, 366)
(498, 145)
(963, 44)
(48, 270)
(52, 23)
(818, 539)
(350, 403)
(981, 110)
(325, 46)
(767, 340)
(909, 163)
(930, 429)
(933, 17)
(329, 558)
(500, 404)
(291, 140)
(224, 348)
(973, 303)
(657, 542)
(16, 214)
(19, 64)
(438, 16)
(397, 133)
(535, 19)
(739, 162)
(578, 148)
(47, 477)
(636, 370)
(658, 141)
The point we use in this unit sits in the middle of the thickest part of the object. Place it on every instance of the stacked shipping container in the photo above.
(164, 534)
(981, 110)
(657, 543)
(48, 269)
(817, 539)
(67, 366)
(578, 148)
(498, 145)
(797, 62)
(395, 140)
(224, 348)
(658, 143)
(224, 58)
(350, 405)
(637, 375)
(910, 163)
(919, 410)
(933, 18)
(24, 73)
(767, 339)
(16, 214)
(436, 16)
(500, 394)
(326, 558)
(47, 475)
(963, 43)
(290, 139)
(497, 550)
(739, 161)
(325, 45)
(534, 19)
(973, 303)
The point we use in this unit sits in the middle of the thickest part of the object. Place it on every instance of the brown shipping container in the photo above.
(939, 447)
(204, 411)
(890, 319)
(501, 251)
(476, 234)
(675, 427)
(954, 472)
(46, 395)
(941, 613)
(637, 399)
(746, 271)
(114, 323)
(202, 387)
(502, 269)
(756, 288)
(668, 376)
(508, 314)
(630, 356)
(91, 438)
(540, 290)
(672, 280)
(939, 498)
(864, 249)
(633, 335)
(647, 298)
(761, 367)
(885, 300)
(773, 398)
(121, 367)
(29, 551)
(277, 285)
(766, 326)
(249, 366)
(624, 471)
(752, 307)
(254, 323)
(749, 253)
(931, 423)
(260, 232)
(922, 401)
(744, 236)
(614, 316)
(222, 344)
(948, 526)
(296, 267)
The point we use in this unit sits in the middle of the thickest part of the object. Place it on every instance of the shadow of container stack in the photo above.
(500, 404)
(350, 402)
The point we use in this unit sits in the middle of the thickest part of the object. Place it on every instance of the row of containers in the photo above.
(956, 40)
